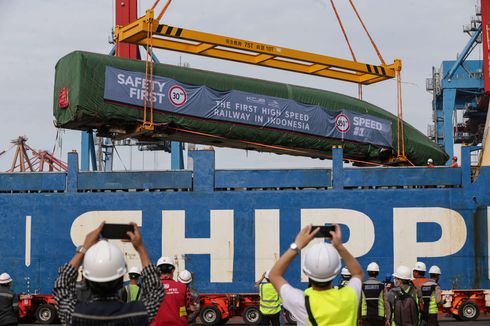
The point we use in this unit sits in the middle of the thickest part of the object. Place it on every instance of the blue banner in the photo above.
(245, 108)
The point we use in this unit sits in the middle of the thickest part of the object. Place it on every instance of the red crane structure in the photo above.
(36, 161)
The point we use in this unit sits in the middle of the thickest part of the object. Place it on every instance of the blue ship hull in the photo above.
(230, 226)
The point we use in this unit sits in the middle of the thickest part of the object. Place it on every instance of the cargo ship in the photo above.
(229, 226)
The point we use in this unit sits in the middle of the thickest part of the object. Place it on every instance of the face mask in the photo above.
(397, 282)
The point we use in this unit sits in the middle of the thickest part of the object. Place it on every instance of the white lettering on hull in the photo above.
(488, 238)
(28, 241)
(90, 220)
(220, 244)
(406, 249)
(266, 240)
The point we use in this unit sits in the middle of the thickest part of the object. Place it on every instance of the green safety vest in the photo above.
(270, 303)
(133, 292)
(373, 299)
(332, 307)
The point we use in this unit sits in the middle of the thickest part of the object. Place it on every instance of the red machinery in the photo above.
(466, 305)
(217, 309)
(38, 307)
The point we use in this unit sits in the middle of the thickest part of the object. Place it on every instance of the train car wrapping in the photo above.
(94, 91)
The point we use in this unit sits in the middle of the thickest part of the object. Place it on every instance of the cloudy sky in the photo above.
(34, 34)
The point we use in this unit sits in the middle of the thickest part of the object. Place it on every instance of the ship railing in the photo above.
(202, 177)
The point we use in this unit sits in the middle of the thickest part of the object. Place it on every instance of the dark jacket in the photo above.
(9, 306)
(110, 312)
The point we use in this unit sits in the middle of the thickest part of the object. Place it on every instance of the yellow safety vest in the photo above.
(332, 307)
(270, 303)
(133, 292)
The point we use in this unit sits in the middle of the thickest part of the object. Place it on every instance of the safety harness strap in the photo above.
(311, 318)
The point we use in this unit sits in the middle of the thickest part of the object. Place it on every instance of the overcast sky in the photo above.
(35, 34)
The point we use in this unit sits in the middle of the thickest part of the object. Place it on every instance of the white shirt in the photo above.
(293, 299)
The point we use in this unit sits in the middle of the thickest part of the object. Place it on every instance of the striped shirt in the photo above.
(66, 295)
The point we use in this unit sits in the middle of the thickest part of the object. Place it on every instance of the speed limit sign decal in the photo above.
(342, 123)
(177, 95)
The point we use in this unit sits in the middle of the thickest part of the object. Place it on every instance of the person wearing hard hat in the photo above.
(321, 304)
(104, 268)
(9, 301)
(404, 301)
(373, 298)
(419, 274)
(185, 277)
(432, 297)
(430, 163)
(454, 164)
(133, 289)
(270, 303)
(178, 299)
(345, 277)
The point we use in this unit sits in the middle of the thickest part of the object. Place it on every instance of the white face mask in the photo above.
(397, 282)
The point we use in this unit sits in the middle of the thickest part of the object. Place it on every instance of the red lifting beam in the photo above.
(126, 13)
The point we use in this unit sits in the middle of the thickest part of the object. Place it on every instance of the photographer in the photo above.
(104, 269)
(321, 304)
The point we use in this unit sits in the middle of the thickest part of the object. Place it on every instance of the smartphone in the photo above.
(324, 231)
(116, 231)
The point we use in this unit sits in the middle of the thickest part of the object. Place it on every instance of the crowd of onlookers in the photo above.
(153, 297)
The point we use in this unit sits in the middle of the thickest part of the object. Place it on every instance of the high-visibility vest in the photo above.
(133, 292)
(429, 297)
(372, 303)
(332, 307)
(270, 303)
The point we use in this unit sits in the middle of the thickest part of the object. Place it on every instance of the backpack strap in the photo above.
(311, 318)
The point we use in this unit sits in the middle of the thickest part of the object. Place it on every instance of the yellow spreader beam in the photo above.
(266, 55)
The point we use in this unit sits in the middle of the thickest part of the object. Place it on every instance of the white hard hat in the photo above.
(345, 272)
(322, 262)
(103, 262)
(135, 270)
(435, 270)
(430, 161)
(185, 277)
(403, 273)
(420, 266)
(267, 274)
(5, 278)
(165, 261)
(373, 267)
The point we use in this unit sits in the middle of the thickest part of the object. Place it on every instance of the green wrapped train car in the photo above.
(108, 94)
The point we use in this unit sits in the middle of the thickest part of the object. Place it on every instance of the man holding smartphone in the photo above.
(104, 269)
(321, 304)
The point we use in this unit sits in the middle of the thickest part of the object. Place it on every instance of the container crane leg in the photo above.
(88, 151)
